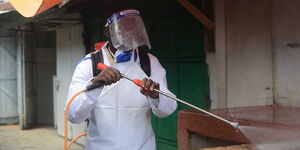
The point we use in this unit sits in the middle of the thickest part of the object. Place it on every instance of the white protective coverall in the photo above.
(120, 116)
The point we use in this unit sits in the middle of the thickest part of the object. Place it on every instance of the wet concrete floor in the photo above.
(42, 138)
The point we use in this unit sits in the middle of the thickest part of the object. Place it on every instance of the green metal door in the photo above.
(177, 40)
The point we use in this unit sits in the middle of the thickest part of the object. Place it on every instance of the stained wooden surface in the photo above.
(235, 147)
(257, 124)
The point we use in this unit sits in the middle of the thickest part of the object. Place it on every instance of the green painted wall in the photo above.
(177, 40)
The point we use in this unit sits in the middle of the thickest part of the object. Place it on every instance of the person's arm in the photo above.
(84, 103)
(161, 105)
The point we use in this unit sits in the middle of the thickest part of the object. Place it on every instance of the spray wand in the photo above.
(139, 83)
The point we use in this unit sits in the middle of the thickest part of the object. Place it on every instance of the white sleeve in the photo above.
(163, 106)
(84, 103)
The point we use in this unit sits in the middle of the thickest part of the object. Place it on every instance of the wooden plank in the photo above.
(8, 80)
(197, 13)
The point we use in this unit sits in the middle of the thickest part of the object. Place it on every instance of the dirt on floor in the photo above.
(41, 138)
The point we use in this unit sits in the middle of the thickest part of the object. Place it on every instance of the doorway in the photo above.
(37, 65)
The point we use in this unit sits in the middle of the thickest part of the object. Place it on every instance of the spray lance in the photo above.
(139, 83)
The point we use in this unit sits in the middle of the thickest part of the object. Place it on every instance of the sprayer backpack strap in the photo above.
(97, 57)
(145, 62)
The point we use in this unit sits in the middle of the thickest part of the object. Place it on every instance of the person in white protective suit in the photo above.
(119, 113)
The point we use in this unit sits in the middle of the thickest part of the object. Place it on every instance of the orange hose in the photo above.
(76, 138)
(66, 144)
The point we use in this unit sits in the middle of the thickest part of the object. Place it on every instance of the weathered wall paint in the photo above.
(249, 53)
(217, 60)
(286, 45)
(243, 61)
(258, 45)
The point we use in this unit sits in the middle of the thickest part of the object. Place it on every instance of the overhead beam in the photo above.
(197, 13)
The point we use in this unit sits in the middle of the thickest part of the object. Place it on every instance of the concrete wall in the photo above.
(70, 50)
(253, 64)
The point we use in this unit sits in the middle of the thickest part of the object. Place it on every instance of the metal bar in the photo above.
(193, 106)
(126, 77)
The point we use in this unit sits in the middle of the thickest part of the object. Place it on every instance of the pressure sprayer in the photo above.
(139, 83)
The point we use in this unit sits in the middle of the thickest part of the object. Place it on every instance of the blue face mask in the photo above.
(126, 56)
(123, 57)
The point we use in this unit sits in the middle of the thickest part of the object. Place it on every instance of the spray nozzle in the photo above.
(235, 124)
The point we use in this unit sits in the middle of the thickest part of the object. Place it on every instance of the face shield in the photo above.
(127, 30)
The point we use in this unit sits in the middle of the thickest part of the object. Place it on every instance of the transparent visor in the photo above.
(128, 32)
